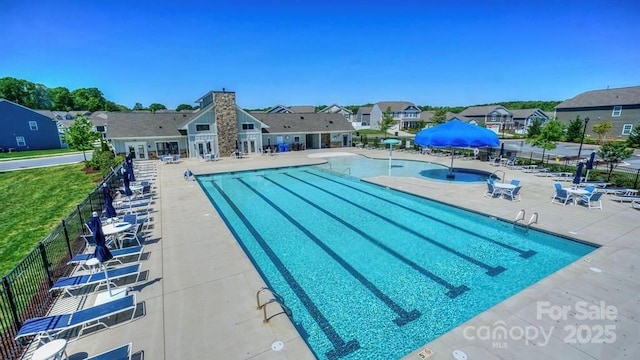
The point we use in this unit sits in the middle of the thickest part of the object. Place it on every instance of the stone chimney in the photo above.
(224, 103)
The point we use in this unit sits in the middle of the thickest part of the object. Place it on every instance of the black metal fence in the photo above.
(24, 292)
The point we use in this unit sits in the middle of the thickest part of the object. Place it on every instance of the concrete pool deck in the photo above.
(200, 290)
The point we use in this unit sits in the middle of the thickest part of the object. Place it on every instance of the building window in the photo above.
(167, 148)
(248, 126)
(493, 117)
(617, 111)
(20, 141)
(296, 139)
(33, 125)
(626, 129)
(202, 127)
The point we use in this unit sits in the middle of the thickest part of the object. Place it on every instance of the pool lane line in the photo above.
(491, 270)
(340, 347)
(523, 253)
(404, 316)
(454, 291)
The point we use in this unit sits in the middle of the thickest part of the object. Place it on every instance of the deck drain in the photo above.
(595, 269)
(459, 355)
(277, 346)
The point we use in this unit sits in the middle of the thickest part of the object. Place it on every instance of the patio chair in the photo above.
(491, 191)
(87, 236)
(118, 255)
(120, 353)
(131, 234)
(515, 182)
(51, 326)
(592, 200)
(635, 204)
(560, 196)
(513, 194)
(98, 279)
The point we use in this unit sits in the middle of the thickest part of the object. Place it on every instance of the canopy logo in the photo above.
(597, 326)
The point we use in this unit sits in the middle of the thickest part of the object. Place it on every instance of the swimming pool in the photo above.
(371, 273)
(362, 167)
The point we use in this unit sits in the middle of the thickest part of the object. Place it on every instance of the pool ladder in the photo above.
(275, 299)
(495, 175)
(521, 217)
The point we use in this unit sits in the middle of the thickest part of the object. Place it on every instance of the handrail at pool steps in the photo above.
(521, 216)
(275, 299)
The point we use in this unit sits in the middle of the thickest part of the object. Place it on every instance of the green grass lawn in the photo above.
(32, 153)
(34, 201)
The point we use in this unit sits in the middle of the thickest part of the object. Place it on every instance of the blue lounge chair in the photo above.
(120, 353)
(99, 279)
(491, 191)
(118, 254)
(51, 326)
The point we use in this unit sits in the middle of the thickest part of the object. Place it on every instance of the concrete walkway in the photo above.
(200, 290)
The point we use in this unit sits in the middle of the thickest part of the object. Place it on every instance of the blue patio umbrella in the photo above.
(109, 210)
(578, 178)
(457, 134)
(130, 167)
(101, 252)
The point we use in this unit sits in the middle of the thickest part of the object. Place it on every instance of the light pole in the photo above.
(586, 121)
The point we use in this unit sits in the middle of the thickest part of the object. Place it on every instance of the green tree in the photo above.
(387, 121)
(439, 116)
(534, 129)
(634, 138)
(551, 132)
(18, 91)
(184, 107)
(602, 130)
(421, 123)
(90, 99)
(155, 107)
(574, 130)
(613, 152)
(138, 107)
(81, 136)
(61, 99)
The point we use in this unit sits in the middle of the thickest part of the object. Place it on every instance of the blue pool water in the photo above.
(371, 273)
(362, 167)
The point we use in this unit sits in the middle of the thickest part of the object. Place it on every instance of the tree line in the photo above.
(40, 97)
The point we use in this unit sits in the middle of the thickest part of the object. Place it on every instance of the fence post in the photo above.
(12, 302)
(45, 262)
(80, 216)
(635, 182)
(66, 235)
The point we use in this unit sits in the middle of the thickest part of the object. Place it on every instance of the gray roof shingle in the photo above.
(606, 97)
(127, 125)
(479, 110)
(396, 106)
(303, 123)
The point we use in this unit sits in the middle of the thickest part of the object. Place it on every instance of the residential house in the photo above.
(405, 114)
(427, 116)
(363, 117)
(620, 106)
(523, 118)
(494, 117)
(26, 129)
(335, 108)
(296, 109)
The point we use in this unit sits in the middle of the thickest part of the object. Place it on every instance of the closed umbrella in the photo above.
(457, 134)
(130, 167)
(109, 210)
(101, 252)
(125, 180)
(589, 166)
(578, 178)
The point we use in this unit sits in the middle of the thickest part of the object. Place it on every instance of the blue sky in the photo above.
(439, 53)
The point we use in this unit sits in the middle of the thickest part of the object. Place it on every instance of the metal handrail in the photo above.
(285, 310)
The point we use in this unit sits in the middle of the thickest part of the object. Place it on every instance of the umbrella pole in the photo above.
(390, 150)
(450, 174)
